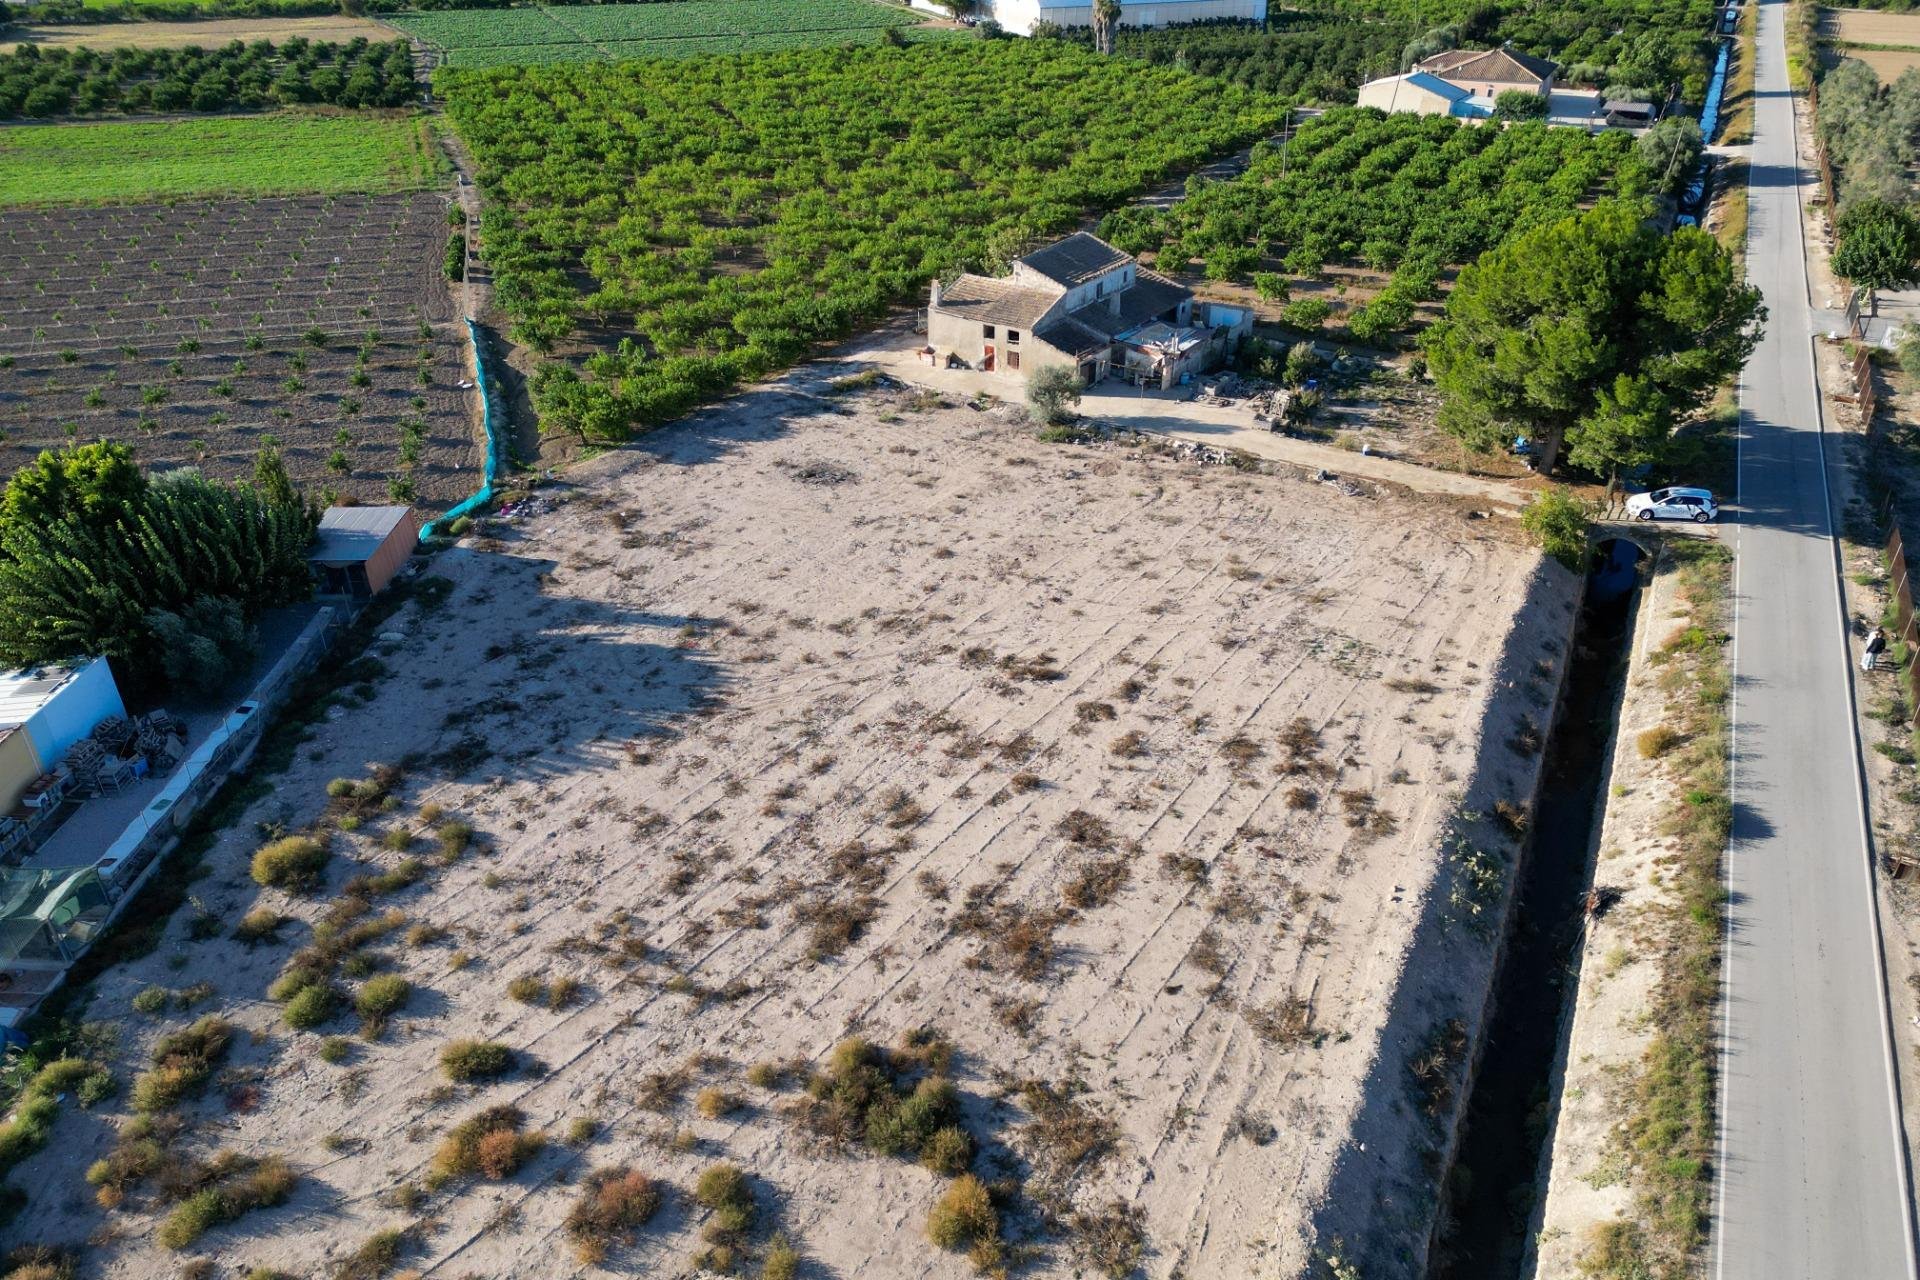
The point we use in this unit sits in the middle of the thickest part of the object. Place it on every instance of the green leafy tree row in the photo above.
(1401, 193)
(38, 82)
(159, 574)
(1597, 334)
(1305, 56)
(1871, 131)
(843, 182)
(1635, 47)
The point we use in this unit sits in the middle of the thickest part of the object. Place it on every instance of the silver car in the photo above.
(1674, 503)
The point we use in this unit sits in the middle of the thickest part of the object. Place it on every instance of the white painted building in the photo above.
(1019, 16)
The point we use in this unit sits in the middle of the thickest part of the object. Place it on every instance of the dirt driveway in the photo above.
(1177, 414)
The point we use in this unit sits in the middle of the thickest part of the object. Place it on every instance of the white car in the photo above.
(1674, 504)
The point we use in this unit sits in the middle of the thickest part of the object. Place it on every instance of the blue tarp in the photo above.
(1710, 114)
(496, 442)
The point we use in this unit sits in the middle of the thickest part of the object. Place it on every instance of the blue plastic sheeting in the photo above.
(496, 443)
(1710, 114)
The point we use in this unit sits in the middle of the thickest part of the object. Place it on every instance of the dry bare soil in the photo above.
(1850, 27)
(199, 330)
(210, 34)
(817, 715)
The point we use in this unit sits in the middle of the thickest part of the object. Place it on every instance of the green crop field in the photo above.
(250, 155)
(593, 33)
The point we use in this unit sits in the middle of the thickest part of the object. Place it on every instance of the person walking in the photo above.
(1876, 643)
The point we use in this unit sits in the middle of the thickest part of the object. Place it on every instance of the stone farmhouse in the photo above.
(1460, 82)
(1080, 304)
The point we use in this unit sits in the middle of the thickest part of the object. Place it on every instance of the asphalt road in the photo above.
(1813, 1162)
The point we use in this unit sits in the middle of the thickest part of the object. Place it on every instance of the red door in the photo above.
(986, 361)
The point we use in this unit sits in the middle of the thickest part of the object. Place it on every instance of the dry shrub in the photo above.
(465, 1060)
(491, 1143)
(1039, 667)
(1130, 745)
(964, 1215)
(1301, 798)
(662, 1090)
(1206, 953)
(898, 809)
(1112, 1240)
(714, 1102)
(834, 924)
(1183, 866)
(1024, 781)
(1300, 747)
(1241, 751)
(613, 1203)
(782, 1261)
(1432, 1068)
(1363, 814)
(858, 864)
(241, 1186)
(1412, 684)
(1659, 740)
(373, 1258)
(1097, 884)
(38, 1262)
(258, 925)
(182, 1060)
(1015, 1015)
(1085, 829)
(1286, 1022)
(293, 863)
(1094, 712)
(1066, 1134)
(724, 1190)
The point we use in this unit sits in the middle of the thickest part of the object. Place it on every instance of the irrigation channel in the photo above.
(1496, 1172)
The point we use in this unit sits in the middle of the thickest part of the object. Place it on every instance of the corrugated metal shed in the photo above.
(351, 534)
(23, 693)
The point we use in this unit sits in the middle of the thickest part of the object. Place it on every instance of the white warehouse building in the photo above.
(1019, 16)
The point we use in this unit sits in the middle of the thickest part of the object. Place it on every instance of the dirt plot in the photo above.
(1888, 64)
(815, 714)
(206, 35)
(1867, 26)
(200, 330)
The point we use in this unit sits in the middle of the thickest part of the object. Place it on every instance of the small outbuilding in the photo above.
(358, 550)
(44, 711)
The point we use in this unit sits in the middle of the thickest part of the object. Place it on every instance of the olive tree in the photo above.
(1051, 393)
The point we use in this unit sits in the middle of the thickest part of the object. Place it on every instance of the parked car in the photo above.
(1674, 504)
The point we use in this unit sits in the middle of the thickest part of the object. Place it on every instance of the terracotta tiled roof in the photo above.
(1077, 258)
(1496, 66)
(993, 301)
(1150, 296)
(1068, 334)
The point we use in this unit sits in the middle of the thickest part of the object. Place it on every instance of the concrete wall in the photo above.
(1394, 94)
(948, 334)
(1018, 16)
(19, 766)
(1103, 287)
(70, 715)
(1494, 88)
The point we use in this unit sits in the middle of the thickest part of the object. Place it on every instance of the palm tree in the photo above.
(1106, 20)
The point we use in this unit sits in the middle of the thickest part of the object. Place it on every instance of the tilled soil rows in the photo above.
(200, 331)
